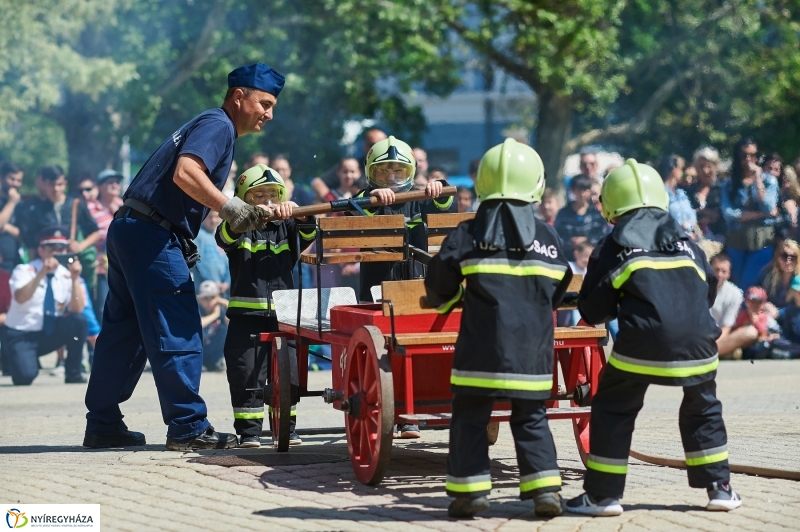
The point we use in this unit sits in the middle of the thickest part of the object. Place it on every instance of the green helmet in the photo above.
(632, 186)
(258, 176)
(510, 170)
(390, 164)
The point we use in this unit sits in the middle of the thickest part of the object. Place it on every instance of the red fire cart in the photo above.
(391, 364)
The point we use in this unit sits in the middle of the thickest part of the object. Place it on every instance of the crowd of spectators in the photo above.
(743, 213)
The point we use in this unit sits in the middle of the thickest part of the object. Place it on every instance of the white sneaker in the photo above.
(722, 498)
(57, 371)
(585, 504)
(250, 442)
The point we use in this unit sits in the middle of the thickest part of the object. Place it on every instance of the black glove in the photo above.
(243, 217)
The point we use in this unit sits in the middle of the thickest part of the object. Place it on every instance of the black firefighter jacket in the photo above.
(415, 212)
(261, 262)
(505, 344)
(659, 284)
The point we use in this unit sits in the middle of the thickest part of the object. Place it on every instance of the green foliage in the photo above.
(737, 62)
(39, 60)
(36, 141)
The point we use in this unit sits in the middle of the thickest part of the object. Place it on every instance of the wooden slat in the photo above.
(435, 240)
(350, 223)
(406, 298)
(567, 333)
(452, 219)
(356, 256)
(448, 338)
(575, 283)
(431, 338)
(364, 241)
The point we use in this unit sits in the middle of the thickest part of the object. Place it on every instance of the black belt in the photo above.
(139, 211)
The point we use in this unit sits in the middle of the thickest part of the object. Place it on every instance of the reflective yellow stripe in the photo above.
(444, 205)
(248, 415)
(468, 484)
(605, 468)
(538, 483)
(501, 381)
(307, 236)
(251, 303)
(504, 269)
(707, 456)
(650, 264)
(445, 307)
(278, 249)
(656, 371)
(224, 234)
(261, 246)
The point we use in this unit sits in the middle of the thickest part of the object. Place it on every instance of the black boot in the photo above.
(466, 507)
(121, 437)
(210, 439)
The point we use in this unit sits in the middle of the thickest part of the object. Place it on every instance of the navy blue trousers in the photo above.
(151, 313)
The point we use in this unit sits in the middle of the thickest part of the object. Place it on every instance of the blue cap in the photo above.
(257, 76)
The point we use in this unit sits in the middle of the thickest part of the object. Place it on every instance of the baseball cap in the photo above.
(756, 292)
(107, 174)
(53, 235)
(208, 289)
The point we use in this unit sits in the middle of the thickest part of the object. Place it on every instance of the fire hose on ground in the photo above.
(766, 472)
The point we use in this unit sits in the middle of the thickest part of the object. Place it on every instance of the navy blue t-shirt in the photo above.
(209, 136)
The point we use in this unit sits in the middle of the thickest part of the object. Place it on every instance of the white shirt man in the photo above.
(37, 325)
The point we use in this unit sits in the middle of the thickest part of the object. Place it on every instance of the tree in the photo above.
(649, 77)
(177, 56)
(567, 52)
(39, 61)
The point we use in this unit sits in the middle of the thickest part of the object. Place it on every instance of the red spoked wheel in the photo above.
(281, 400)
(580, 426)
(369, 393)
(575, 365)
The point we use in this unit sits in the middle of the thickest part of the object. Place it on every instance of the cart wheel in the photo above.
(493, 431)
(281, 401)
(580, 427)
(370, 393)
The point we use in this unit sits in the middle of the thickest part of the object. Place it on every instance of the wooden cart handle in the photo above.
(368, 201)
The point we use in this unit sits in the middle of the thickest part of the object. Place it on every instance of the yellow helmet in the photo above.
(510, 170)
(632, 186)
(391, 164)
(258, 176)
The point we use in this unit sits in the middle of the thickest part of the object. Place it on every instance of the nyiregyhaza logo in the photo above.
(16, 518)
(52, 516)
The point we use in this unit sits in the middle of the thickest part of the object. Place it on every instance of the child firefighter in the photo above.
(516, 275)
(261, 262)
(649, 274)
(390, 168)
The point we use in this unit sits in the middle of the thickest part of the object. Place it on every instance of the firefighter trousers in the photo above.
(247, 364)
(468, 459)
(614, 411)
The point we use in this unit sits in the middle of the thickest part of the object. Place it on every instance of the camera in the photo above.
(65, 259)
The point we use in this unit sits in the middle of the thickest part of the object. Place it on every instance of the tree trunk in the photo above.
(91, 146)
(556, 115)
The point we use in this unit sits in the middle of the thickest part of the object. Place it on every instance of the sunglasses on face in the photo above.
(87, 189)
(788, 257)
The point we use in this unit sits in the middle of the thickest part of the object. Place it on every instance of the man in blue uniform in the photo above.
(151, 312)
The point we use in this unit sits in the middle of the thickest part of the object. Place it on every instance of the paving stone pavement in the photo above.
(41, 461)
